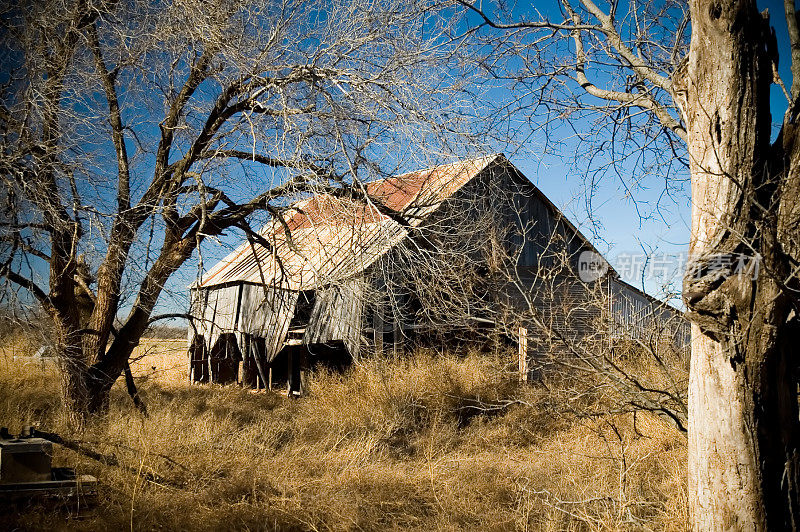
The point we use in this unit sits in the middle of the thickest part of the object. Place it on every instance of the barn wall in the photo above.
(629, 310)
(338, 315)
(214, 311)
(242, 309)
(266, 313)
(546, 245)
(638, 316)
(569, 309)
(542, 236)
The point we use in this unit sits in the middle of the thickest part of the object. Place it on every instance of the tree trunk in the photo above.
(86, 394)
(87, 387)
(743, 415)
(89, 373)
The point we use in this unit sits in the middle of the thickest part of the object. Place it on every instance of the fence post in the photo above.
(523, 354)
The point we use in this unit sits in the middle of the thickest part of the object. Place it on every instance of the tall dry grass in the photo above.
(429, 442)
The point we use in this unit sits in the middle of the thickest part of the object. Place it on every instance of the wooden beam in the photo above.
(377, 324)
(397, 336)
(523, 354)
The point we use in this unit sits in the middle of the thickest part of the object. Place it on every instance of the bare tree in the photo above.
(132, 131)
(673, 82)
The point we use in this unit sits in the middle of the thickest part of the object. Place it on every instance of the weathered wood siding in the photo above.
(243, 309)
(630, 310)
(215, 312)
(635, 315)
(266, 313)
(338, 315)
(541, 234)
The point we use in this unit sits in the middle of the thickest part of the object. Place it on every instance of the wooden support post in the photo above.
(304, 374)
(523, 354)
(270, 377)
(295, 373)
(259, 366)
(377, 324)
(397, 336)
(290, 372)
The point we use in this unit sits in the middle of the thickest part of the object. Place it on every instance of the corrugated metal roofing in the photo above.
(334, 238)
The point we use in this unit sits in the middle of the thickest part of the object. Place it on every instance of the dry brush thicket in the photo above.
(429, 441)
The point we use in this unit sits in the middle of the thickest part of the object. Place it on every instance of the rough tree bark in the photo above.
(743, 435)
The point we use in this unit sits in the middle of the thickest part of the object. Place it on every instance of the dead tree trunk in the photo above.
(743, 429)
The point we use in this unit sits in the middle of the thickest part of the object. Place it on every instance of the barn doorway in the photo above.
(289, 368)
(198, 360)
(224, 359)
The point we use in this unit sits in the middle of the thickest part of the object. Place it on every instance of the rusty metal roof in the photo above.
(334, 238)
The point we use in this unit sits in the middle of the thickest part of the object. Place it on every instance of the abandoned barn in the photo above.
(465, 251)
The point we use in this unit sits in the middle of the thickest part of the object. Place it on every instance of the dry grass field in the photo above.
(411, 444)
(161, 360)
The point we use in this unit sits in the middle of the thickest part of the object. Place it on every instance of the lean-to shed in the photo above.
(338, 277)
